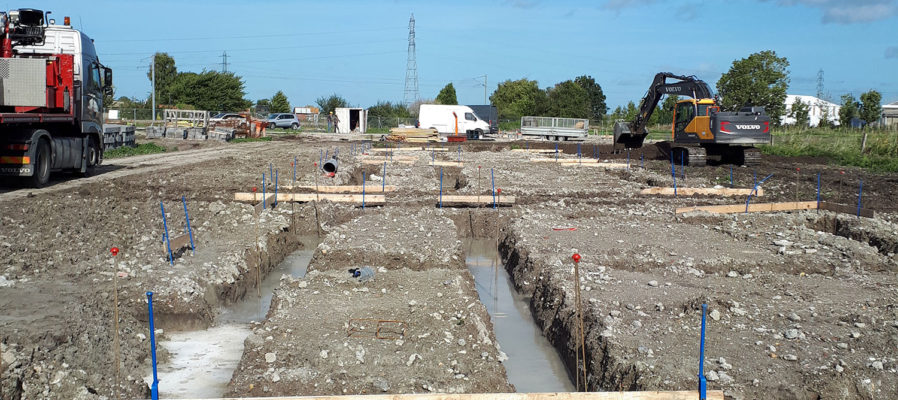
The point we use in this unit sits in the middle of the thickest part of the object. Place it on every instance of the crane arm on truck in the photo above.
(633, 133)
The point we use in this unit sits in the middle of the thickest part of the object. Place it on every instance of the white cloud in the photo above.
(850, 11)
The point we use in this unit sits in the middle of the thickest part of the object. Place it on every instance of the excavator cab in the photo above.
(692, 120)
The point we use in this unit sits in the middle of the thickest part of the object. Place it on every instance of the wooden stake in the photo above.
(315, 204)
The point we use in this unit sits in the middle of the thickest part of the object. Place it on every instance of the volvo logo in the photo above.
(748, 126)
(673, 89)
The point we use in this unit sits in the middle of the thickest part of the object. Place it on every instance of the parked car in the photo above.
(223, 116)
(283, 121)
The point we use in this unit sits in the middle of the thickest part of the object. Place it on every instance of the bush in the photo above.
(143, 148)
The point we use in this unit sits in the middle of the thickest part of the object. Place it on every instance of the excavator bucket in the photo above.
(623, 135)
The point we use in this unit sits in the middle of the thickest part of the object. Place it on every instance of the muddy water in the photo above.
(533, 365)
(202, 362)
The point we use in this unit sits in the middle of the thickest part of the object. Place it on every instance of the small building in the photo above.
(352, 120)
(816, 108)
(890, 115)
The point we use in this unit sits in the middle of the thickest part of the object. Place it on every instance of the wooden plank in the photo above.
(845, 209)
(566, 160)
(446, 164)
(482, 200)
(380, 161)
(372, 188)
(534, 151)
(408, 148)
(370, 199)
(387, 158)
(177, 243)
(671, 395)
(687, 191)
(758, 207)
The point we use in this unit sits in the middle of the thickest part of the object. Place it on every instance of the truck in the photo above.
(699, 128)
(446, 118)
(554, 128)
(51, 98)
(488, 113)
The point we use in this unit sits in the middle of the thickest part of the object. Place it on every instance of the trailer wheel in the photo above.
(41, 165)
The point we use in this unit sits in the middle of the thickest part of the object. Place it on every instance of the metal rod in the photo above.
(702, 382)
(155, 388)
(818, 192)
(275, 188)
(171, 258)
(441, 187)
(363, 190)
(189, 231)
(493, 178)
(383, 184)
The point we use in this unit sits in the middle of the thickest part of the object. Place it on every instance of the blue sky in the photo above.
(358, 49)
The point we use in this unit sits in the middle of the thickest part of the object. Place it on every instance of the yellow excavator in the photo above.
(699, 129)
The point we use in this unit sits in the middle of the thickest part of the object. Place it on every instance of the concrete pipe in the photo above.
(330, 166)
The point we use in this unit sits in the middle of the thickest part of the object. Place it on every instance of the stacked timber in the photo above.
(413, 135)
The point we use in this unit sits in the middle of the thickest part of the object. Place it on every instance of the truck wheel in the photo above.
(479, 134)
(94, 154)
(41, 165)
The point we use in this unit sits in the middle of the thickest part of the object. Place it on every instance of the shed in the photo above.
(352, 120)
(890, 115)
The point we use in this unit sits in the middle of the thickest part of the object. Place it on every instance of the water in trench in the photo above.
(533, 365)
(202, 362)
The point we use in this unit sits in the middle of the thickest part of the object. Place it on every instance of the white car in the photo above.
(224, 116)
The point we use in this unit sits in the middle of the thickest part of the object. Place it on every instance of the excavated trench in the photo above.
(853, 228)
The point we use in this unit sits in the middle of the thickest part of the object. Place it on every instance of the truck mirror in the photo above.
(107, 77)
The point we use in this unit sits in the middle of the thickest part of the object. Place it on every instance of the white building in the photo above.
(890, 115)
(816, 109)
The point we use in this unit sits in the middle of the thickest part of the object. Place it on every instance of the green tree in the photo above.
(447, 95)
(166, 74)
(569, 100)
(262, 107)
(279, 103)
(386, 109)
(630, 112)
(800, 112)
(597, 106)
(871, 108)
(761, 79)
(665, 111)
(210, 90)
(848, 111)
(330, 103)
(515, 99)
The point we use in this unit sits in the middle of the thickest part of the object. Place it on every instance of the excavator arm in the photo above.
(632, 134)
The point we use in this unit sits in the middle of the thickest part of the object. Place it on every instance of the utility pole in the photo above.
(485, 100)
(224, 61)
(153, 69)
(411, 69)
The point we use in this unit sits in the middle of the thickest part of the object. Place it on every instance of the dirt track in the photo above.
(803, 302)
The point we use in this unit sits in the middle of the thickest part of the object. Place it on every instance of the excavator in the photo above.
(699, 129)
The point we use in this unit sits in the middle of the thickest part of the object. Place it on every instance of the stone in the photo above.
(725, 378)
(271, 357)
(637, 324)
(323, 354)
(794, 317)
(381, 384)
(791, 333)
(275, 377)
(733, 274)
(790, 357)
(653, 283)
(877, 365)
(715, 315)
(712, 376)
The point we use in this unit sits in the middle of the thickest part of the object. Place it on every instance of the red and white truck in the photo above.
(51, 98)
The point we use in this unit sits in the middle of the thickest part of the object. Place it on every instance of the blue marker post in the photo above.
(642, 161)
(383, 185)
(154, 390)
(673, 173)
(754, 191)
(731, 176)
(860, 191)
(189, 231)
(702, 382)
(171, 258)
(493, 177)
(275, 187)
(628, 160)
(294, 172)
(459, 154)
(270, 172)
(818, 192)
(327, 154)
(441, 187)
(578, 150)
(363, 190)
(263, 191)
(683, 165)
(556, 152)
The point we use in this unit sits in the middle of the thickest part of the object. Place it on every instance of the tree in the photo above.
(515, 99)
(330, 103)
(761, 79)
(447, 95)
(569, 100)
(279, 103)
(209, 90)
(848, 111)
(386, 109)
(166, 74)
(630, 112)
(665, 111)
(262, 107)
(800, 112)
(597, 106)
(871, 109)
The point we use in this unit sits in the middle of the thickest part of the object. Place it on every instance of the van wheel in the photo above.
(41, 165)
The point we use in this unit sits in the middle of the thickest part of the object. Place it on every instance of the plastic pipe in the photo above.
(754, 190)
(702, 382)
(154, 390)
(189, 232)
(171, 258)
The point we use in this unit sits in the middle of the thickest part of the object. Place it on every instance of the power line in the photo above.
(280, 35)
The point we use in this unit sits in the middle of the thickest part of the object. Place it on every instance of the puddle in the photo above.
(202, 362)
(533, 365)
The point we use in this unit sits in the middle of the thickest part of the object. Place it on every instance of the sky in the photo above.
(359, 49)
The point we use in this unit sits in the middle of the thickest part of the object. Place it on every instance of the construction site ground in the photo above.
(801, 305)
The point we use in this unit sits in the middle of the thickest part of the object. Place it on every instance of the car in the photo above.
(223, 116)
(283, 121)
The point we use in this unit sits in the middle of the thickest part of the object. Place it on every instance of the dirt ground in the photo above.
(802, 304)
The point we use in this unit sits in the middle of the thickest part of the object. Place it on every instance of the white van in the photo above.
(443, 117)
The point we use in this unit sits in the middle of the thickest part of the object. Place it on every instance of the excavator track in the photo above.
(695, 156)
(751, 156)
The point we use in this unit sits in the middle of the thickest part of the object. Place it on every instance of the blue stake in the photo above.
(493, 177)
(818, 190)
(441, 187)
(642, 161)
(154, 390)
(294, 171)
(673, 173)
(755, 190)
(326, 155)
(171, 258)
(383, 185)
(755, 177)
(702, 382)
(683, 165)
(628, 159)
(731, 176)
(275, 187)
(320, 157)
(263, 191)
(433, 156)
(578, 150)
(189, 232)
(528, 146)
(556, 151)
(363, 190)
(860, 191)
(459, 154)
(270, 172)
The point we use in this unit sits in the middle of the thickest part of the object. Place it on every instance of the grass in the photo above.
(141, 149)
(249, 140)
(841, 146)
